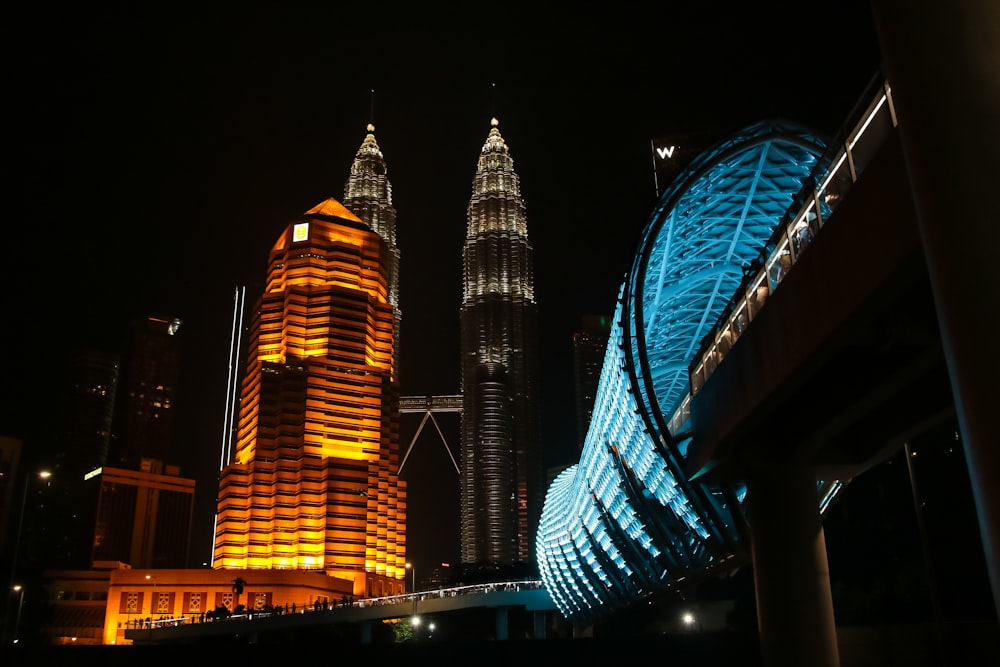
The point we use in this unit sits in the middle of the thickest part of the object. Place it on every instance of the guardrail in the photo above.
(834, 175)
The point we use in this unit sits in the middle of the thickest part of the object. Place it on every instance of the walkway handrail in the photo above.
(833, 176)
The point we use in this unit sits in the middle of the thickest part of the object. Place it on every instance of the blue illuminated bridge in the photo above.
(626, 521)
(631, 519)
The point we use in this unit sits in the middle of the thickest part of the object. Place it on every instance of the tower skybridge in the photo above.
(429, 406)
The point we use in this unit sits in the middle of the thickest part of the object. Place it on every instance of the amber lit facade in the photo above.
(313, 484)
(501, 475)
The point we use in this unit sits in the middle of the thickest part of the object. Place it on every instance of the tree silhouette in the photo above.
(238, 585)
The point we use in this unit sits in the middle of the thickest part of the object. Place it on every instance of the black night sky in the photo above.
(158, 154)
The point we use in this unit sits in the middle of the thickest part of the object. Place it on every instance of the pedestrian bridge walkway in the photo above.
(500, 597)
(640, 514)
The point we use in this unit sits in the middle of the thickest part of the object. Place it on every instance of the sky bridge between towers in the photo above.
(428, 406)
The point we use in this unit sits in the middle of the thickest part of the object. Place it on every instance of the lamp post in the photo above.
(413, 585)
(19, 589)
(43, 474)
(152, 600)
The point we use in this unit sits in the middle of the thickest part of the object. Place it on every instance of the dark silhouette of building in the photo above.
(143, 517)
(111, 496)
(68, 528)
(501, 470)
(94, 390)
(152, 370)
(589, 345)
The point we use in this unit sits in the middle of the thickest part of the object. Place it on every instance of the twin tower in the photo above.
(310, 475)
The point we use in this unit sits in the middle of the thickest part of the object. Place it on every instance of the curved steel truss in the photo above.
(625, 522)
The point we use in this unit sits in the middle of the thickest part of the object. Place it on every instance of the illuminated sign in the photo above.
(300, 232)
(665, 151)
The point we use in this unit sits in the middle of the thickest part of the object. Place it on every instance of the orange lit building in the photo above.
(313, 480)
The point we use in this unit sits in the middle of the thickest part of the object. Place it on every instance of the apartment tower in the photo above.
(501, 470)
(313, 481)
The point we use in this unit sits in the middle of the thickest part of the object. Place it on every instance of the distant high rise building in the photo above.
(589, 345)
(313, 483)
(143, 516)
(66, 531)
(94, 388)
(152, 369)
(10, 474)
(368, 194)
(501, 471)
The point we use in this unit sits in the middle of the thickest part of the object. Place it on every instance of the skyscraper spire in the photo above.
(501, 472)
(368, 194)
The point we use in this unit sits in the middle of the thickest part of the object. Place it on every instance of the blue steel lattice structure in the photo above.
(626, 522)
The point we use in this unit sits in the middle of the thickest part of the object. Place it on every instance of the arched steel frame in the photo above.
(625, 522)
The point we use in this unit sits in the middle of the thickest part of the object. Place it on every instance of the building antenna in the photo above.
(494, 99)
(371, 112)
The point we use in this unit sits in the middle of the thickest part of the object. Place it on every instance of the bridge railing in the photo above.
(306, 608)
(834, 175)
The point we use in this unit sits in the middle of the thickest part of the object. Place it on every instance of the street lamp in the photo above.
(413, 585)
(19, 589)
(43, 474)
(152, 600)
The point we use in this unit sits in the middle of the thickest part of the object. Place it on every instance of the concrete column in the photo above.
(942, 60)
(539, 622)
(501, 620)
(791, 575)
(366, 632)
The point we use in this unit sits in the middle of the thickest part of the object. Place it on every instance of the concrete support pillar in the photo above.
(942, 60)
(539, 621)
(501, 621)
(366, 632)
(791, 575)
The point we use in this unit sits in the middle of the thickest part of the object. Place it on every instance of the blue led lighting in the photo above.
(625, 522)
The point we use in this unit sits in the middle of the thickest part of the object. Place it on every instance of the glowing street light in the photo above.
(413, 585)
(43, 474)
(152, 600)
(19, 589)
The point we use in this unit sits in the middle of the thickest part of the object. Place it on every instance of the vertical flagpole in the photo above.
(656, 183)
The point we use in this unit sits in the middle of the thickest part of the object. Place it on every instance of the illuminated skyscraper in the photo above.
(313, 483)
(501, 472)
(368, 194)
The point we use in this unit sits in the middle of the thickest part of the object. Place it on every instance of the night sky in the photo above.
(159, 154)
